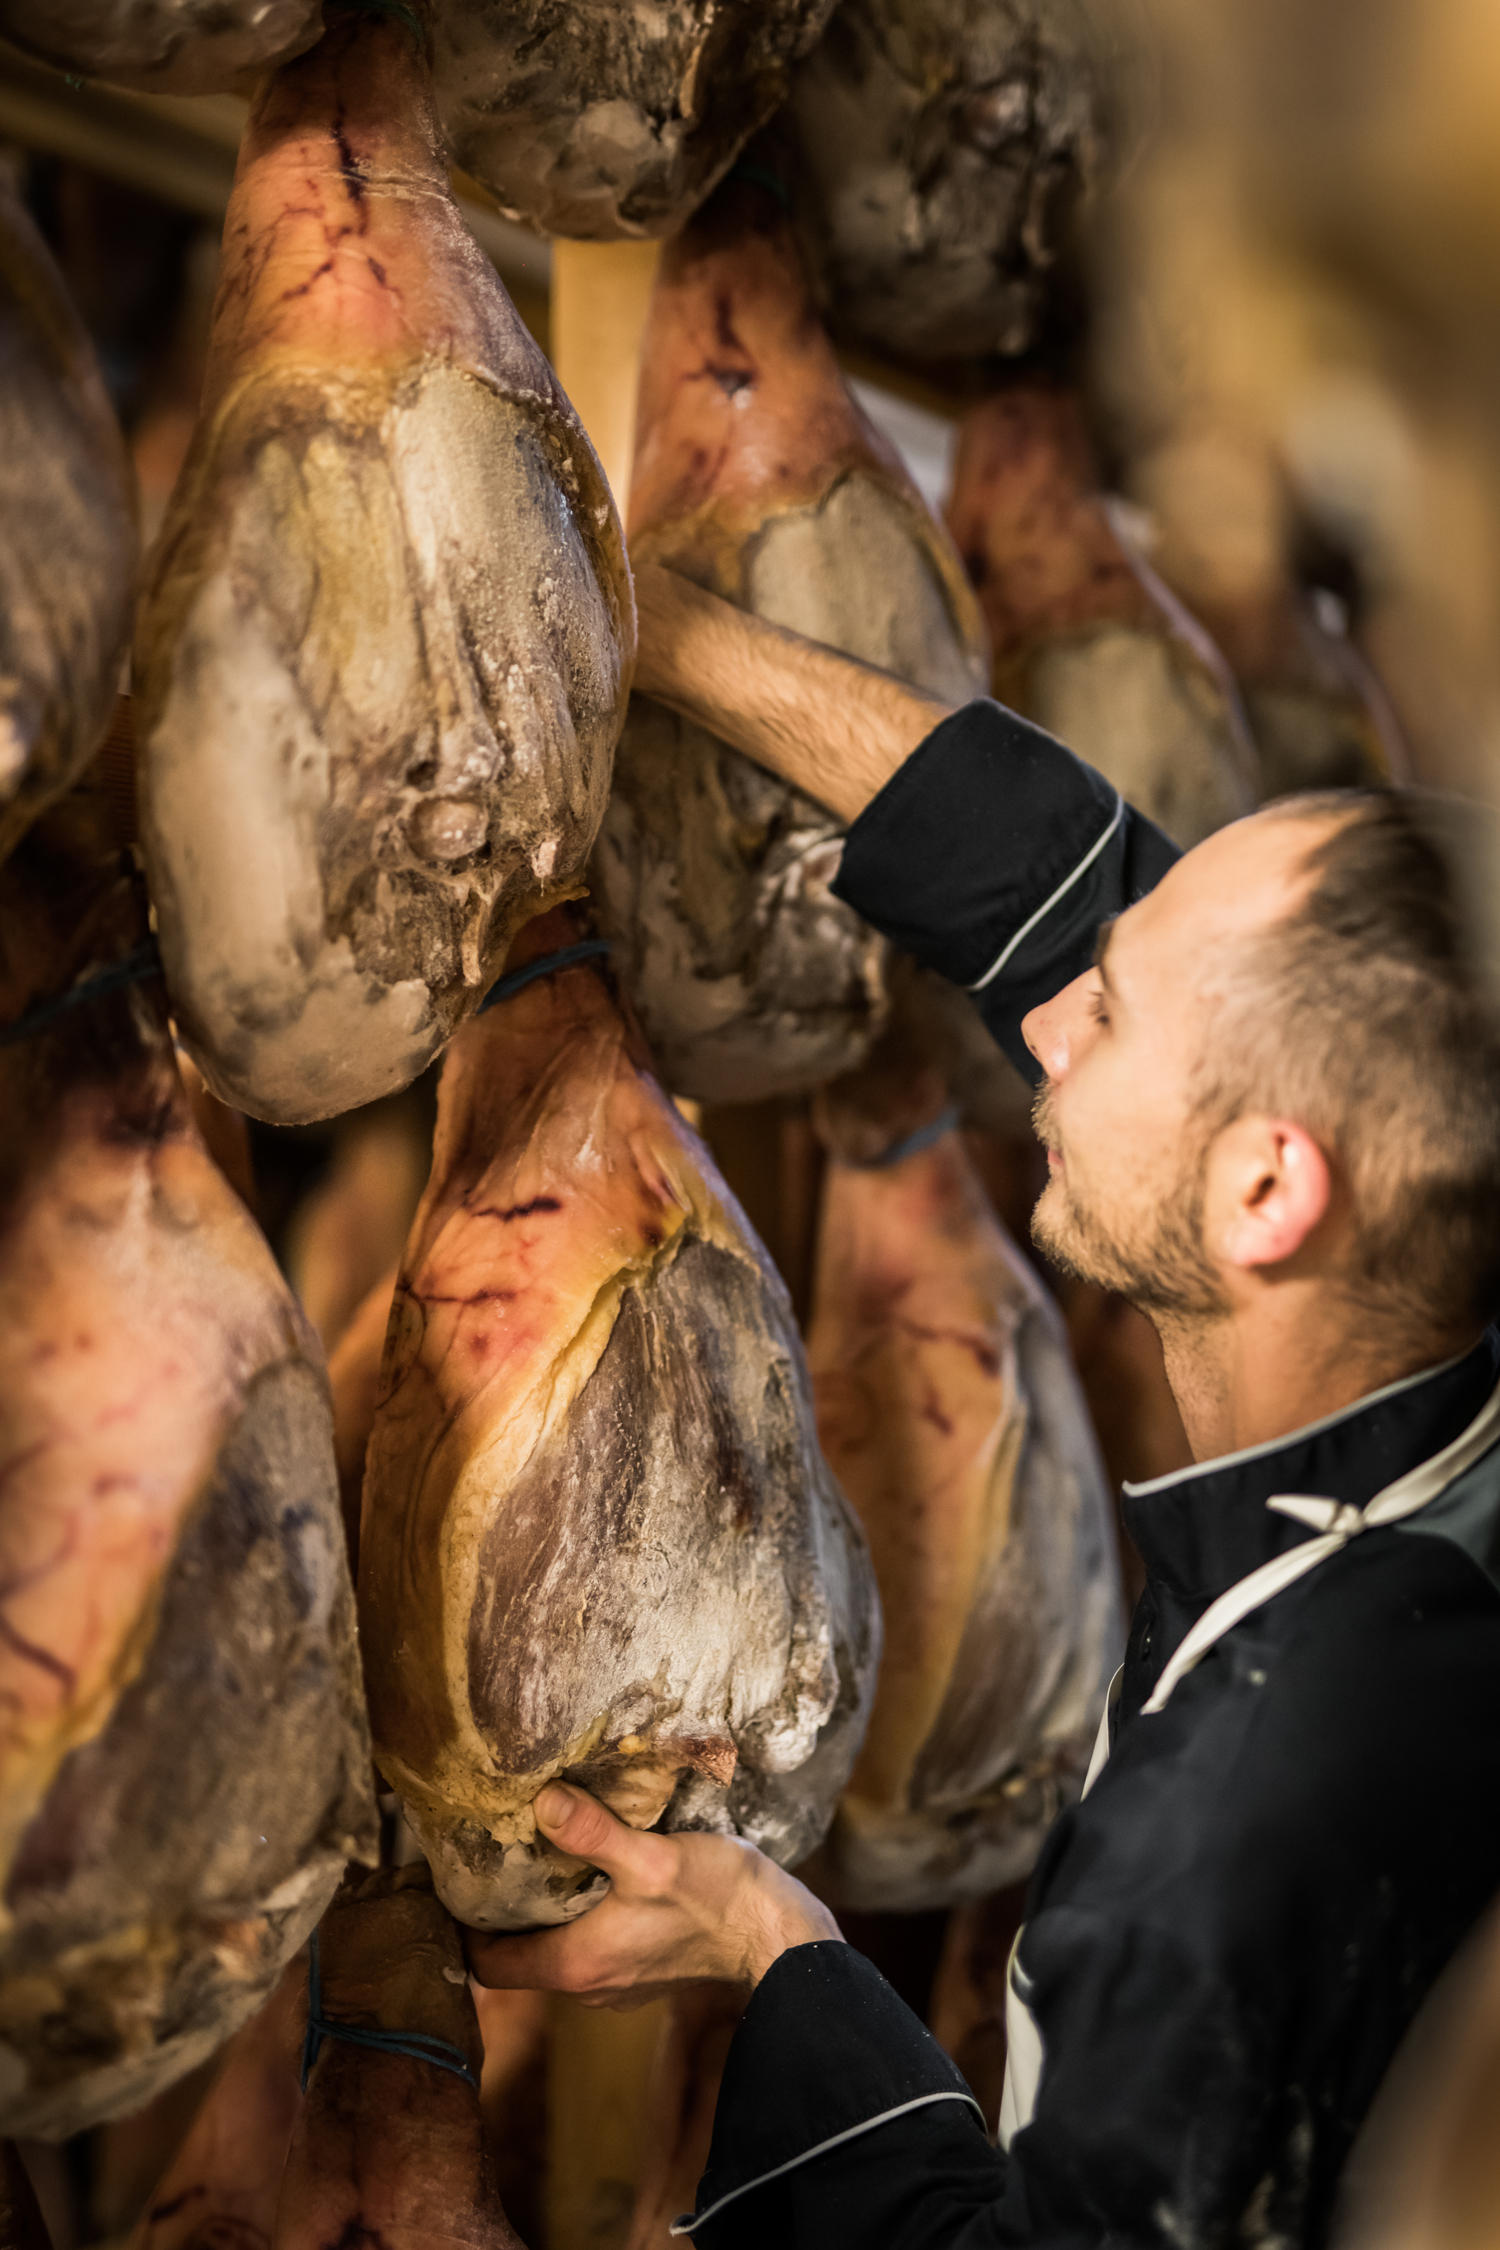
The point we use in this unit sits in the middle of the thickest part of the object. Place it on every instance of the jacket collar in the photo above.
(1204, 1528)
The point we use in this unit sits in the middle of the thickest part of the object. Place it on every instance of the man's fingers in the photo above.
(578, 1823)
(533, 1961)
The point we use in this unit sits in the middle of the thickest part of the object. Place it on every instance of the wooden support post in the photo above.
(600, 293)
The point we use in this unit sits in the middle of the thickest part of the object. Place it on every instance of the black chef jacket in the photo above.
(1227, 1938)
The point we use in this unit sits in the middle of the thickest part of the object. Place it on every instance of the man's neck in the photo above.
(1249, 1378)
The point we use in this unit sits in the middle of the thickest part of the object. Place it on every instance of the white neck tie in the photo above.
(1337, 1523)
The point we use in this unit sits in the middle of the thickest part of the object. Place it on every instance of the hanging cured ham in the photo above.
(223, 2183)
(942, 150)
(164, 46)
(1086, 640)
(184, 1752)
(68, 559)
(949, 1411)
(757, 475)
(1223, 537)
(594, 121)
(388, 622)
(390, 2146)
(598, 1538)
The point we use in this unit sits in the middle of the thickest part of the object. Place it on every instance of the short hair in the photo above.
(1370, 1016)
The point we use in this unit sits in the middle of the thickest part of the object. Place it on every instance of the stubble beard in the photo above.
(1153, 1257)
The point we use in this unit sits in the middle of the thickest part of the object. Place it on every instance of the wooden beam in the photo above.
(601, 292)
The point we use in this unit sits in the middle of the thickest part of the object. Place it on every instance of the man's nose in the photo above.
(1055, 1032)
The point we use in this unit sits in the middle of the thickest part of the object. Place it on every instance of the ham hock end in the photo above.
(597, 121)
(598, 1539)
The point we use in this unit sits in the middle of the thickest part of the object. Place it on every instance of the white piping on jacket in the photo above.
(1337, 1522)
(1293, 1437)
(1047, 905)
(852, 2133)
(1341, 1522)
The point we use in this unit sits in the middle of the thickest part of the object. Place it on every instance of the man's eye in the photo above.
(1097, 1008)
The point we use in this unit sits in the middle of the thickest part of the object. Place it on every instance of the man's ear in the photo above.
(1269, 1187)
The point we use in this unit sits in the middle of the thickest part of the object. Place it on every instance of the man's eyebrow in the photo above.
(1101, 948)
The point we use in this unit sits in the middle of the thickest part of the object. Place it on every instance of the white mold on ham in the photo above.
(388, 624)
(596, 121)
(942, 147)
(758, 476)
(68, 558)
(950, 1411)
(598, 1538)
(164, 46)
(184, 1755)
(1087, 640)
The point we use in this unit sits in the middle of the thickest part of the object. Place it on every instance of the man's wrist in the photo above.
(798, 1922)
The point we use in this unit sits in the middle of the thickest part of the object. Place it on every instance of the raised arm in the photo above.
(825, 722)
(976, 841)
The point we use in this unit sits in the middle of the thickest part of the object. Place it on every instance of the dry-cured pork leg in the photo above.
(68, 558)
(598, 1538)
(222, 2185)
(1087, 641)
(390, 2148)
(949, 1410)
(388, 621)
(757, 475)
(942, 149)
(1318, 714)
(354, 1381)
(1222, 539)
(170, 1547)
(164, 46)
(595, 120)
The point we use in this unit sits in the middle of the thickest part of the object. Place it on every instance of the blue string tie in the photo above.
(925, 1137)
(546, 965)
(138, 967)
(417, 2046)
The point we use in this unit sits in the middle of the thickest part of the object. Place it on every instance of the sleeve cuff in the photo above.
(984, 822)
(825, 2052)
(993, 855)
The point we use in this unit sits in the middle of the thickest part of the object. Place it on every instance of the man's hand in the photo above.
(832, 726)
(681, 1910)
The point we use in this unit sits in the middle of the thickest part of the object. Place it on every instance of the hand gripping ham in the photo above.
(184, 1751)
(598, 1538)
(388, 623)
(758, 476)
(949, 1410)
(68, 558)
(596, 120)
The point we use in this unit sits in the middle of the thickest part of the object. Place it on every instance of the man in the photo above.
(1270, 1091)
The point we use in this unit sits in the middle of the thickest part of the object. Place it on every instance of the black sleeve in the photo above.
(826, 2064)
(993, 855)
(837, 2122)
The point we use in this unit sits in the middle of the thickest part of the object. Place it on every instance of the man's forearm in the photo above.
(832, 726)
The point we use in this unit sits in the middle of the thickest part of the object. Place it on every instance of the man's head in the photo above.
(1285, 1064)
